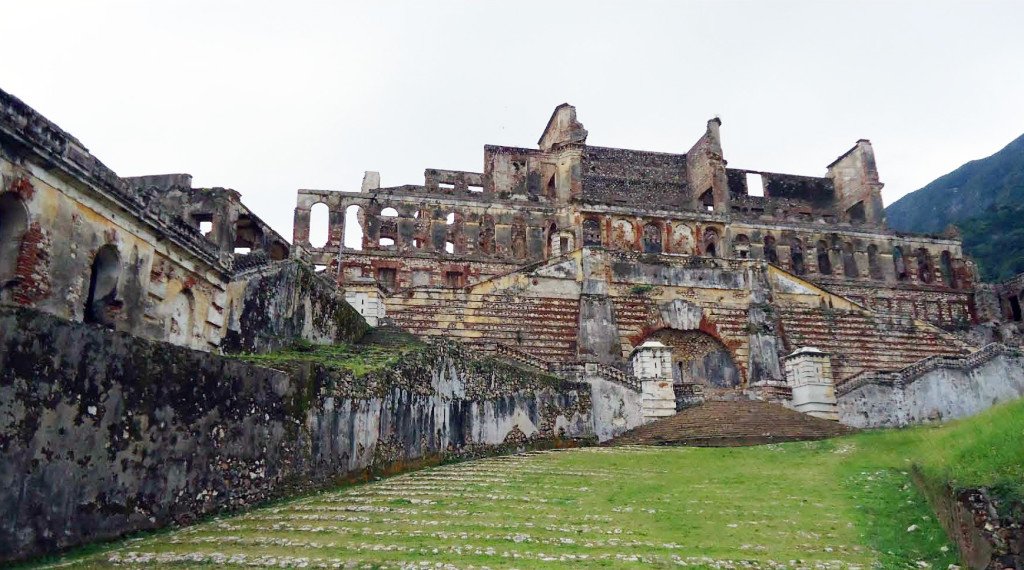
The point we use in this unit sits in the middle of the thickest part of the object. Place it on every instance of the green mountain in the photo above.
(985, 199)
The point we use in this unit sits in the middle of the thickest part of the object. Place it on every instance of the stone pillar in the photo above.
(365, 296)
(652, 364)
(371, 181)
(809, 375)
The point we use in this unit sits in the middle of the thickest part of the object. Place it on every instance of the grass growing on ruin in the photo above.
(842, 503)
(794, 506)
(359, 358)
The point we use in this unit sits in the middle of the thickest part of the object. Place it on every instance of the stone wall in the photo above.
(935, 389)
(78, 223)
(103, 433)
(272, 305)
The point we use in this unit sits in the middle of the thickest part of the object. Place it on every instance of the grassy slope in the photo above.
(847, 501)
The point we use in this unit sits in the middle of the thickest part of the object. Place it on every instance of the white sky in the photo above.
(269, 97)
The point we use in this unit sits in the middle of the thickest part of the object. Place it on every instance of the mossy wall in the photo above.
(102, 433)
(274, 305)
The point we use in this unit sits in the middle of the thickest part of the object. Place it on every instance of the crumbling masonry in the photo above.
(588, 290)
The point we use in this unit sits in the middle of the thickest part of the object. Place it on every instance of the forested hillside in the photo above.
(985, 199)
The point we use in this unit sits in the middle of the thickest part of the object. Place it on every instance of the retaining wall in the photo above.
(102, 433)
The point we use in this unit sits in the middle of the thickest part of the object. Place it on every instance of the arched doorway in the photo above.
(701, 359)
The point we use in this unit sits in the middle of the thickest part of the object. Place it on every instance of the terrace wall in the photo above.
(103, 433)
(935, 389)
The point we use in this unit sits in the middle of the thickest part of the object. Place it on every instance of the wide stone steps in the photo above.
(732, 423)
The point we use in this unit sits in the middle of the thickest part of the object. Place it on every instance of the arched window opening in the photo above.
(824, 263)
(711, 242)
(416, 214)
(591, 231)
(417, 243)
(551, 187)
(13, 223)
(796, 257)
(741, 245)
(386, 242)
(389, 213)
(899, 264)
(946, 265)
(925, 269)
(319, 224)
(450, 218)
(353, 227)
(101, 302)
(874, 267)
(707, 200)
(552, 241)
(449, 247)
(770, 253)
(1015, 312)
(652, 238)
(179, 321)
(856, 214)
(849, 261)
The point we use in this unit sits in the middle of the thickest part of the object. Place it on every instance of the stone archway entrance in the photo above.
(700, 359)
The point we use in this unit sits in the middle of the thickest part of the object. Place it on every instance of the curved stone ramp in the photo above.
(732, 423)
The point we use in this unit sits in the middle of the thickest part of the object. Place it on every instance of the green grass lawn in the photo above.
(843, 503)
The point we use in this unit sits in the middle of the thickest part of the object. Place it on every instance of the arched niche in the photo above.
(104, 275)
(13, 223)
(180, 318)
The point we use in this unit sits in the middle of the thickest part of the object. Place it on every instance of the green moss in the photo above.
(358, 359)
(642, 289)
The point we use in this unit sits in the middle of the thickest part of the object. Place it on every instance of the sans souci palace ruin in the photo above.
(565, 292)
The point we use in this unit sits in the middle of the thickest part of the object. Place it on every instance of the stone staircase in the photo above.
(389, 336)
(731, 423)
(566, 369)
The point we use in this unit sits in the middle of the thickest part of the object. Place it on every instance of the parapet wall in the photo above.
(935, 389)
(271, 305)
(103, 433)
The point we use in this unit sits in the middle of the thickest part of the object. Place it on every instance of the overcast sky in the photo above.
(269, 97)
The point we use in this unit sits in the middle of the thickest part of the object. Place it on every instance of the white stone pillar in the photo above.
(809, 374)
(652, 364)
(364, 296)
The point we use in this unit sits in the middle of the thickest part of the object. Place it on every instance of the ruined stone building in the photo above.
(570, 253)
(567, 293)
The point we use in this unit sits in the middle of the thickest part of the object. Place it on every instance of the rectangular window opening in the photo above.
(755, 184)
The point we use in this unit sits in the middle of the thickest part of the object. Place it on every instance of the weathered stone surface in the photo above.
(936, 389)
(275, 304)
(102, 433)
